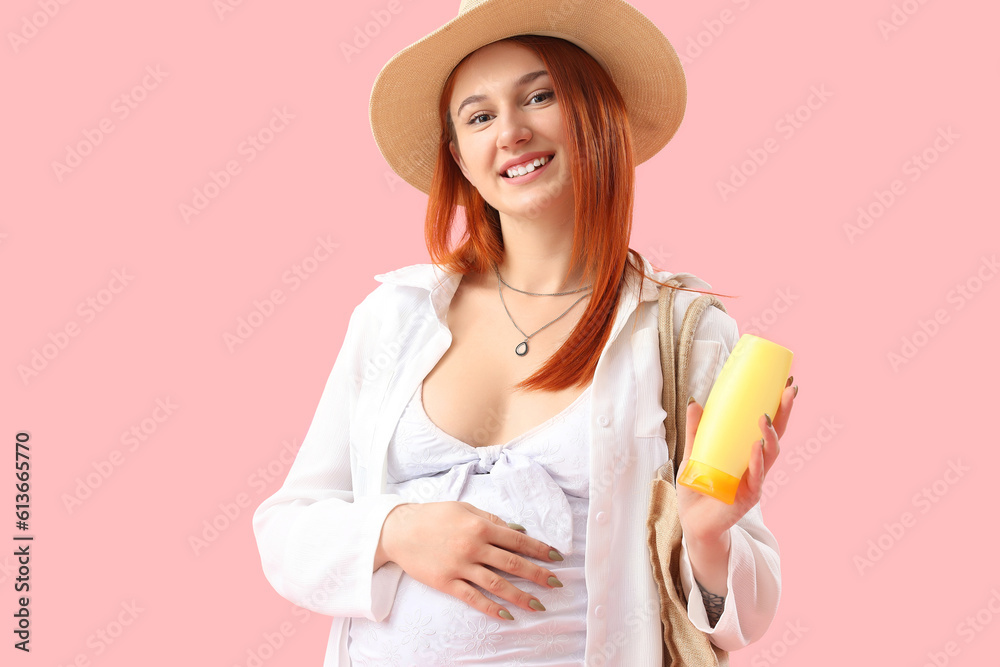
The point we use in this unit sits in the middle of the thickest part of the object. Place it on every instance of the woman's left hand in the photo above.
(707, 519)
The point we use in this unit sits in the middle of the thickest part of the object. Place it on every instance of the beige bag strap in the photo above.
(676, 358)
(684, 644)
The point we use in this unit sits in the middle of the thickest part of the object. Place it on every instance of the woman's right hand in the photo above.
(448, 546)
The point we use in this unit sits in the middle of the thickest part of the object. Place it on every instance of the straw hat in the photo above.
(404, 102)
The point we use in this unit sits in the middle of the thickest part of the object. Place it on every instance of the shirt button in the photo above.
(603, 420)
(599, 611)
(602, 517)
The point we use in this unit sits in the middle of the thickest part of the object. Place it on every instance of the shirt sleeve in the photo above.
(754, 573)
(316, 541)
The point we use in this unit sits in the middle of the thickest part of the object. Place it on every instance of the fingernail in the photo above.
(767, 418)
(554, 555)
(536, 605)
(506, 614)
(516, 526)
(555, 582)
(796, 388)
(762, 442)
(691, 400)
(789, 382)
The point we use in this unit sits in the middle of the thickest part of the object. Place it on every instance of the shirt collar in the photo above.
(426, 276)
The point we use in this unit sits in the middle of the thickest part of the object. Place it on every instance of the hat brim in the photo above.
(403, 109)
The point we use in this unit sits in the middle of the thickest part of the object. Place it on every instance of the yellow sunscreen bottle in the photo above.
(750, 384)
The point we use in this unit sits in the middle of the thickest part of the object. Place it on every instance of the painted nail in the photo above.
(796, 388)
(789, 382)
(767, 417)
(516, 526)
(554, 555)
(506, 614)
(691, 400)
(555, 583)
(536, 605)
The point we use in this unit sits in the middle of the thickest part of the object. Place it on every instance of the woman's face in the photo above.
(502, 110)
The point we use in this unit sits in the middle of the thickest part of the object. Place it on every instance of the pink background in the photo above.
(846, 492)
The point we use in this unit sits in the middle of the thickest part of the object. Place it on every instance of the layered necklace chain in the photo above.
(522, 347)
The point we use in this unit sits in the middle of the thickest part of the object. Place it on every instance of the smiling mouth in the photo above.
(548, 159)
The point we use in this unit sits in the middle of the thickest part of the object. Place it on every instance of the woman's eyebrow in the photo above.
(523, 81)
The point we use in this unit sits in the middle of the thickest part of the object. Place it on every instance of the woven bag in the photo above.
(684, 644)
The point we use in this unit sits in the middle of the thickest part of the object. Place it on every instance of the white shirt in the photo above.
(539, 479)
(318, 533)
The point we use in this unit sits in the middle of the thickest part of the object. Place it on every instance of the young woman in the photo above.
(474, 485)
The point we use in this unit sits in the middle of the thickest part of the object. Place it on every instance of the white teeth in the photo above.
(526, 168)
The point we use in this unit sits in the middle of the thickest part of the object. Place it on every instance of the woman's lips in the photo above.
(530, 174)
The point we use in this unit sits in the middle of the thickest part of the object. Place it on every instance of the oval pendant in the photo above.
(522, 348)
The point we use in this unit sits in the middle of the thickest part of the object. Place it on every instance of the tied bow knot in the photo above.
(521, 484)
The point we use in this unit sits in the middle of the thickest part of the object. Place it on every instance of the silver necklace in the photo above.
(522, 347)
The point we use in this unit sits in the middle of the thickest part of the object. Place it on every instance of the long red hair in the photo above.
(602, 165)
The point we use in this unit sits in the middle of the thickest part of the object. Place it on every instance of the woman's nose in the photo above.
(513, 130)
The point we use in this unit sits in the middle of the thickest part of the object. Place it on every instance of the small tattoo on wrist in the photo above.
(714, 604)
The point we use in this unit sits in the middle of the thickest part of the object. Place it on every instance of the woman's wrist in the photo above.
(709, 556)
(708, 543)
(383, 550)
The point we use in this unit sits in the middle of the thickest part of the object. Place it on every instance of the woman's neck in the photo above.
(537, 255)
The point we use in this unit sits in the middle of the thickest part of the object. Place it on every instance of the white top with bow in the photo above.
(539, 479)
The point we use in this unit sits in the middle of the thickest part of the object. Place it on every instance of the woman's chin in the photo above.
(534, 205)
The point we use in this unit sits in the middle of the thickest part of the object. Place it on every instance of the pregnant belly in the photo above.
(428, 628)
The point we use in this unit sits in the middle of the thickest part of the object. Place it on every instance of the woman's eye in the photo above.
(546, 95)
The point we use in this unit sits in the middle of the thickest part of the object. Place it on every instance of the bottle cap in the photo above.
(710, 481)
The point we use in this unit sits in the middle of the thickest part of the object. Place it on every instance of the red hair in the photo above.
(602, 165)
